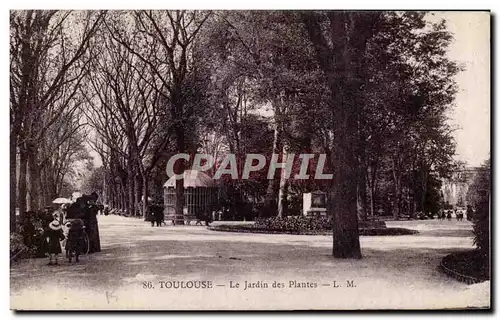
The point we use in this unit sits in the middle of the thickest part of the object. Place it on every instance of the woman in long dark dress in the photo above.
(53, 235)
(91, 224)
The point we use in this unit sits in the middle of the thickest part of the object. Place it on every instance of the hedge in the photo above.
(362, 232)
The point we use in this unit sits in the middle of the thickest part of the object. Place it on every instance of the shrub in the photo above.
(295, 223)
(28, 235)
(479, 196)
(17, 246)
(306, 224)
(372, 231)
(386, 232)
(310, 226)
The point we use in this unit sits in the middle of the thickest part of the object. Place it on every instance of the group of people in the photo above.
(75, 240)
(459, 214)
(73, 227)
(156, 215)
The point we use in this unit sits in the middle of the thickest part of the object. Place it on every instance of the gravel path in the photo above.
(137, 260)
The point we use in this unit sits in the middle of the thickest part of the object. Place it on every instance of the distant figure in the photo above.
(157, 215)
(441, 215)
(153, 217)
(53, 235)
(460, 215)
(448, 215)
(469, 212)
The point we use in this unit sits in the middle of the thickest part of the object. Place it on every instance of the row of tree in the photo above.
(48, 59)
(369, 89)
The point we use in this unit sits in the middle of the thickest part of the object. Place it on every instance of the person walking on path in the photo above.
(469, 213)
(76, 240)
(157, 215)
(91, 209)
(53, 235)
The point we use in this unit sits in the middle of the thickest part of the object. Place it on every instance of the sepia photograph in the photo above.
(250, 160)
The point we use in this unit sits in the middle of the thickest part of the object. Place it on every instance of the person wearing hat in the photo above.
(53, 235)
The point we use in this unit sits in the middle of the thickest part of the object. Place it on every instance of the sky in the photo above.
(471, 116)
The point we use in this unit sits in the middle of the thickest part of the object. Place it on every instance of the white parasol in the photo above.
(61, 201)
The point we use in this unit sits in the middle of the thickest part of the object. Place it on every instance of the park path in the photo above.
(395, 272)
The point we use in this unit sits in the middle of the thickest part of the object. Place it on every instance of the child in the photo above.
(53, 235)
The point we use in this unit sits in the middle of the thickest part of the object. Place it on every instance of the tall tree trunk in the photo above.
(130, 187)
(362, 197)
(396, 175)
(180, 166)
(46, 190)
(35, 202)
(123, 195)
(145, 196)
(23, 167)
(373, 187)
(137, 194)
(363, 167)
(344, 191)
(31, 183)
(361, 202)
(112, 194)
(283, 190)
(372, 201)
(283, 198)
(13, 180)
(118, 197)
(104, 190)
(130, 196)
(424, 187)
(348, 33)
(273, 184)
(411, 204)
(53, 189)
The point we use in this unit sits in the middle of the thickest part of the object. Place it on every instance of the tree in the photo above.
(46, 67)
(340, 56)
(174, 65)
(122, 92)
(262, 59)
(410, 88)
(94, 182)
(60, 157)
